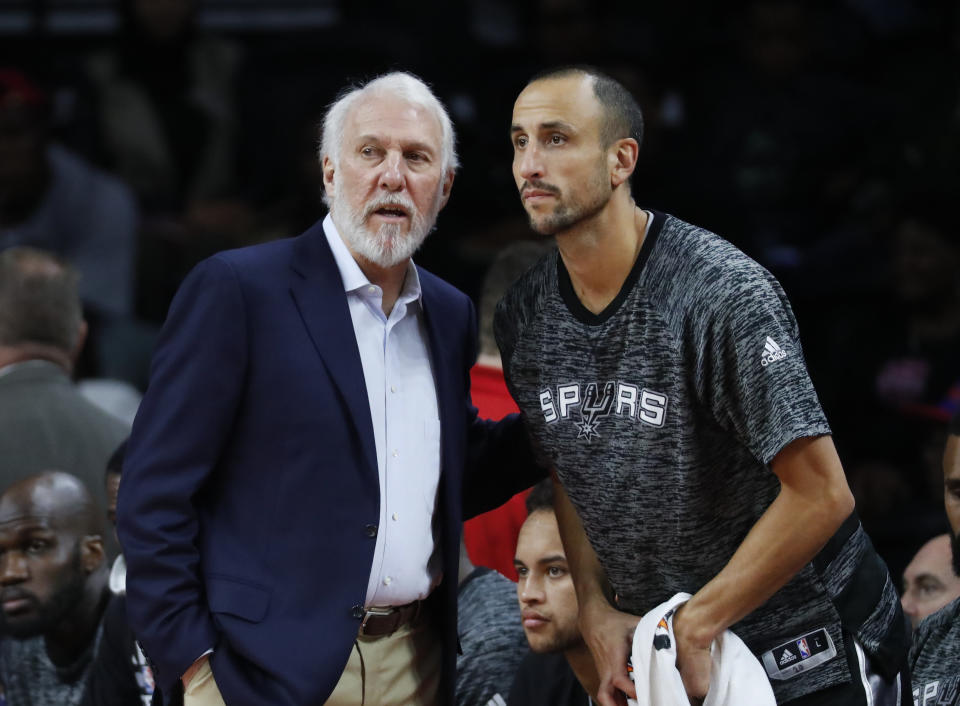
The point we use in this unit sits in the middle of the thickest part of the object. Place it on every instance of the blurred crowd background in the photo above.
(138, 137)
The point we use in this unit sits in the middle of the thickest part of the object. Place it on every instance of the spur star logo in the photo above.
(595, 401)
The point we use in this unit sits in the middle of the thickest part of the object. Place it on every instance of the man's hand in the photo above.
(693, 658)
(608, 633)
(192, 670)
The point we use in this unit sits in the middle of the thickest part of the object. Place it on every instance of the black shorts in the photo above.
(868, 687)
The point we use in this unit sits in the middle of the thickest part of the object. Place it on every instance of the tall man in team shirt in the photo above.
(662, 375)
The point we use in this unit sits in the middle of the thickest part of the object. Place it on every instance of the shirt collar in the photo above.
(34, 364)
(353, 278)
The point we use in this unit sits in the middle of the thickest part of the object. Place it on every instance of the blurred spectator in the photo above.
(44, 421)
(935, 655)
(50, 198)
(120, 675)
(492, 536)
(166, 105)
(166, 116)
(907, 368)
(559, 671)
(779, 132)
(53, 586)
(919, 367)
(300, 203)
(491, 638)
(929, 582)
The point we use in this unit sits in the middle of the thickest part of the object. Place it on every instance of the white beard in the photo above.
(388, 246)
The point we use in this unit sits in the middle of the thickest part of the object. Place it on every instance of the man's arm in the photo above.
(182, 424)
(500, 457)
(813, 496)
(607, 631)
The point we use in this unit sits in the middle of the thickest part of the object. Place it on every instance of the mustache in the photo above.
(16, 594)
(396, 201)
(540, 186)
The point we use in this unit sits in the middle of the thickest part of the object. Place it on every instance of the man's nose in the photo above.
(531, 163)
(13, 568)
(392, 175)
(909, 606)
(531, 591)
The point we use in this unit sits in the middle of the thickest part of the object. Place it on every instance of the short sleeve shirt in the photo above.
(661, 415)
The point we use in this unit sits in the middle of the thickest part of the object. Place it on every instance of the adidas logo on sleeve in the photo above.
(772, 352)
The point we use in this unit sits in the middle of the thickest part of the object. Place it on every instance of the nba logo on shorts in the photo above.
(804, 650)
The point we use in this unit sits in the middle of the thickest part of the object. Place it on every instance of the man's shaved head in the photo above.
(59, 496)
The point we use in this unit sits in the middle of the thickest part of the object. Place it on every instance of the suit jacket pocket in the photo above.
(237, 597)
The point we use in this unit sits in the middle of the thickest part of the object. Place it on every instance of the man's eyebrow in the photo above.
(552, 559)
(557, 125)
(419, 146)
(549, 125)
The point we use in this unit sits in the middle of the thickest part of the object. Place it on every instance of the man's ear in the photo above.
(92, 554)
(622, 158)
(328, 169)
(447, 186)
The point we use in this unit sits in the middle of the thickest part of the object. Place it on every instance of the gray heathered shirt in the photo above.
(935, 658)
(29, 678)
(661, 414)
(491, 637)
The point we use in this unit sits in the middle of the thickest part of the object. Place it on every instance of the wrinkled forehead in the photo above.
(393, 119)
(36, 510)
(14, 524)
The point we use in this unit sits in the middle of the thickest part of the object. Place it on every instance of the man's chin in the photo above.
(21, 629)
(543, 226)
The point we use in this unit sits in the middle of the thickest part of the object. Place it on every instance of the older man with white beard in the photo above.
(298, 472)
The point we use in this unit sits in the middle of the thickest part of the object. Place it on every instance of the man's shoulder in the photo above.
(526, 297)
(261, 256)
(264, 263)
(45, 384)
(935, 651)
(702, 273)
(701, 254)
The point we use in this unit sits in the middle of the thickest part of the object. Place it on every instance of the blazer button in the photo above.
(357, 611)
(371, 531)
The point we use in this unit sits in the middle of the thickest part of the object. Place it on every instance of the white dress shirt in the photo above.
(406, 426)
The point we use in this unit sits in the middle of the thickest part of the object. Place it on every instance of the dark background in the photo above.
(820, 137)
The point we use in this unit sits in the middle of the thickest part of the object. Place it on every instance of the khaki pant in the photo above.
(202, 690)
(402, 669)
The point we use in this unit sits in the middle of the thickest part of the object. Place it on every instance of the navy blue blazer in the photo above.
(250, 484)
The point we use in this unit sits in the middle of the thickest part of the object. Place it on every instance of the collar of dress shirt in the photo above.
(353, 278)
(23, 364)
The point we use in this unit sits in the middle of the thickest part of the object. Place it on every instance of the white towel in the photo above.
(736, 678)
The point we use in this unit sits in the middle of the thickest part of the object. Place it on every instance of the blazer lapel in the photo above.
(318, 295)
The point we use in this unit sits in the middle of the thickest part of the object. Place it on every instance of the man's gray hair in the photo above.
(39, 301)
(400, 85)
